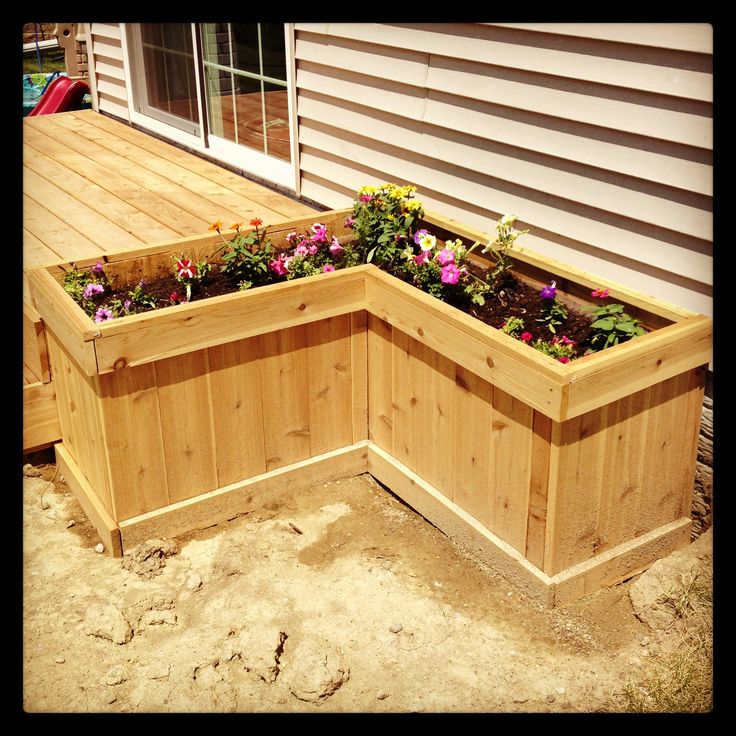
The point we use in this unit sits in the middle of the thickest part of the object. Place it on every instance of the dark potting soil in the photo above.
(514, 298)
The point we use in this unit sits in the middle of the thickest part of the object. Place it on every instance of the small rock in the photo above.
(560, 690)
(509, 594)
(644, 641)
(158, 671)
(60, 660)
(158, 618)
(71, 524)
(550, 698)
(114, 676)
(382, 695)
(45, 504)
(315, 670)
(260, 649)
(106, 621)
(149, 557)
(520, 699)
(100, 548)
(193, 581)
(395, 628)
(31, 472)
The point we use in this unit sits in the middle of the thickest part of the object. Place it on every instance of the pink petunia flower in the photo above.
(422, 258)
(526, 336)
(450, 274)
(563, 359)
(599, 293)
(350, 221)
(445, 256)
(366, 198)
(566, 340)
(301, 250)
(328, 267)
(335, 246)
(278, 265)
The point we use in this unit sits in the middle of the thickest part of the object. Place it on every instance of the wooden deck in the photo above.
(93, 185)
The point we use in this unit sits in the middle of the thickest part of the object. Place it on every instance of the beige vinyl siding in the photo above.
(107, 69)
(601, 145)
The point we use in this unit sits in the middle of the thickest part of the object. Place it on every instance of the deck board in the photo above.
(93, 185)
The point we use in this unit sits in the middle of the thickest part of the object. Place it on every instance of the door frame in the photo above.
(249, 161)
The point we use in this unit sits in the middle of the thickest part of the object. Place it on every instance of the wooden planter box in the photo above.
(564, 477)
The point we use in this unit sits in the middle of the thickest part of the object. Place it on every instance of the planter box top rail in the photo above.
(681, 341)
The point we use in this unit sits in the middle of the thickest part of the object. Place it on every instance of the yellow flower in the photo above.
(216, 226)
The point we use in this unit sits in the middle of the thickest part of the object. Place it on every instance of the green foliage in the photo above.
(613, 326)
(513, 326)
(246, 259)
(382, 221)
(553, 314)
(499, 250)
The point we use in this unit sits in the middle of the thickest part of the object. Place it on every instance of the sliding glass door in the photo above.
(227, 85)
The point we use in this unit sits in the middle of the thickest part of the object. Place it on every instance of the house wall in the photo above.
(106, 69)
(597, 136)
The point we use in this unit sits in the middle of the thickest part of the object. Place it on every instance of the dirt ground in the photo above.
(337, 600)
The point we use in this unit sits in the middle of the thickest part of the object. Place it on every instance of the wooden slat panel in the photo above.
(285, 392)
(538, 484)
(80, 419)
(411, 403)
(41, 426)
(330, 389)
(575, 490)
(138, 471)
(267, 204)
(359, 373)
(380, 383)
(441, 423)
(235, 380)
(35, 350)
(512, 441)
(473, 459)
(187, 422)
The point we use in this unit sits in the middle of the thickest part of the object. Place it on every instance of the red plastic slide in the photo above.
(61, 95)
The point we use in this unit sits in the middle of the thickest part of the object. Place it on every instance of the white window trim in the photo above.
(281, 173)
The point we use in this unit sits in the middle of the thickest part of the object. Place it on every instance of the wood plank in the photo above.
(511, 440)
(93, 508)
(441, 422)
(473, 458)
(35, 350)
(142, 226)
(87, 220)
(283, 206)
(285, 394)
(173, 201)
(128, 400)
(223, 203)
(487, 353)
(235, 381)
(62, 316)
(57, 235)
(230, 501)
(187, 422)
(538, 484)
(170, 332)
(41, 427)
(330, 385)
(359, 373)
(574, 494)
(79, 419)
(380, 383)
(625, 486)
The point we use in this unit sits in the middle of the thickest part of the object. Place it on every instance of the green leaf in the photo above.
(370, 255)
(603, 324)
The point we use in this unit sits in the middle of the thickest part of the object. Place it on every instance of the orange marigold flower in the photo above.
(255, 222)
(236, 226)
(216, 226)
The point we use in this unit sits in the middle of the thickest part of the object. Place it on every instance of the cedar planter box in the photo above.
(564, 477)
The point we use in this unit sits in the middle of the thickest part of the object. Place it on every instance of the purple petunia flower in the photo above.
(103, 315)
(450, 274)
(418, 235)
(98, 268)
(549, 291)
(91, 289)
